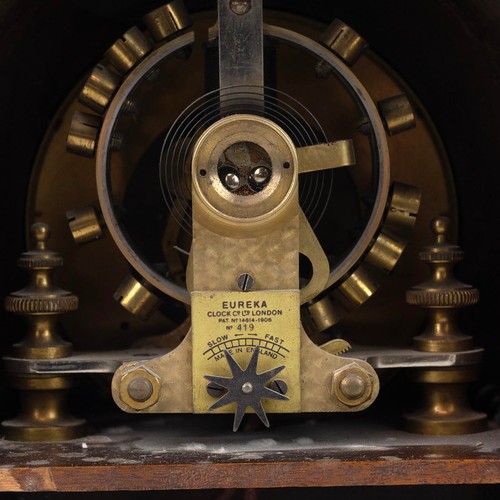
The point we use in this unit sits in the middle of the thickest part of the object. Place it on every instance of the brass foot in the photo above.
(445, 407)
(43, 415)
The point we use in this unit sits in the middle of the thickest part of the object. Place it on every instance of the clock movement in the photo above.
(258, 211)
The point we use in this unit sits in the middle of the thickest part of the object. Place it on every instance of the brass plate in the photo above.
(238, 322)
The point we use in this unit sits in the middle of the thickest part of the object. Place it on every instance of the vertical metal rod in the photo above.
(241, 55)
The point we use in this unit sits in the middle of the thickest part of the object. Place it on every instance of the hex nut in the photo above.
(352, 385)
(139, 388)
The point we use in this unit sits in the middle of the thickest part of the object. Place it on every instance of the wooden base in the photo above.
(196, 452)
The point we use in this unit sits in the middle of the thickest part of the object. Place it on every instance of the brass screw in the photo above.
(140, 389)
(351, 385)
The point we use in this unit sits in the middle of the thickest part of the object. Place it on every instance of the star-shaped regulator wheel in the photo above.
(246, 388)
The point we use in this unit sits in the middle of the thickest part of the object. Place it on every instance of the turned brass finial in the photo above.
(442, 294)
(41, 301)
(40, 234)
(43, 414)
(444, 408)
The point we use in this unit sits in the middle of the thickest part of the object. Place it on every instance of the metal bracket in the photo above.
(108, 362)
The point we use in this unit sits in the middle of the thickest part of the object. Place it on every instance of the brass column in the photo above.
(444, 408)
(43, 415)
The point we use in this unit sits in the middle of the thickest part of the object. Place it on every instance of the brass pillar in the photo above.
(444, 406)
(43, 415)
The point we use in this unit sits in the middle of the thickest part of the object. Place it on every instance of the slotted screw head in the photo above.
(245, 282)
(215, 390)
